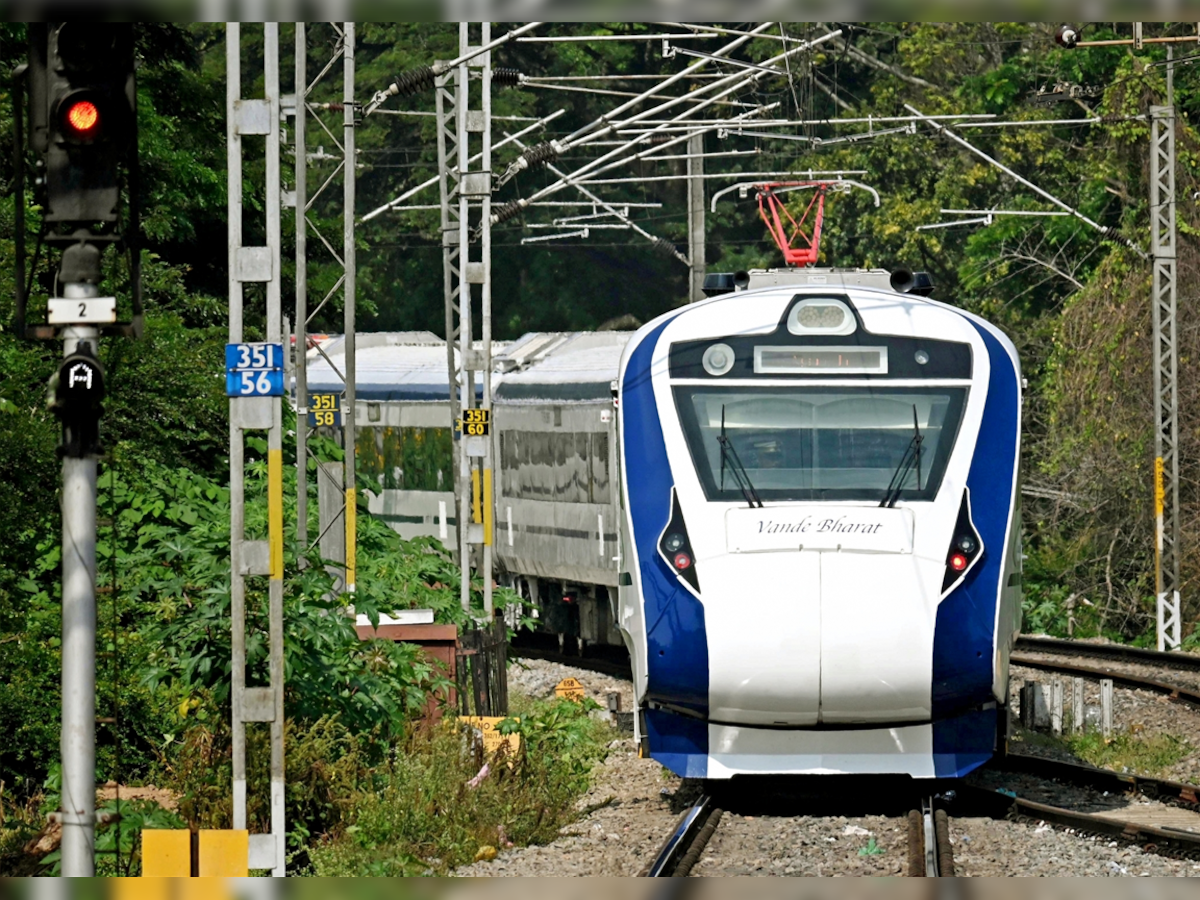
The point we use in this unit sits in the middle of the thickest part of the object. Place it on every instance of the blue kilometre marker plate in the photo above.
(254, 370)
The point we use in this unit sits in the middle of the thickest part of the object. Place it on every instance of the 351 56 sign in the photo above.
(254, 370)
(476, 422)
(324, 409)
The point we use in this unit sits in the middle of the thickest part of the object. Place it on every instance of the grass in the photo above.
(417, 815)
(1143, 755)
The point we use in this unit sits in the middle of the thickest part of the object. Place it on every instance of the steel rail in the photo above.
(679, 840)
(1172, 691)
(1154, 839)
(1122, 652)
(1160, 789)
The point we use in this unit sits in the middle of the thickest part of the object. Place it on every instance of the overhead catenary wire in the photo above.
(590, 38)
(1103, 229)
(612, 93)
(423, 76)
(725, 86)
(728, 84)
(599, 127)
(805, 173)
(391, 204)
(603, 164)
(611, 209)
(539, 79)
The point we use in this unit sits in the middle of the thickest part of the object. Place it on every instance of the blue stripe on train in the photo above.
(963, 649)
(676, 642)
(678, 742)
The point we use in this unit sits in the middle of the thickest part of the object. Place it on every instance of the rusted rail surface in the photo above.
(1189, 661)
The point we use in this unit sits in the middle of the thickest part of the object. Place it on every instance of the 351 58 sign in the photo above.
(254, 370)
(476, 422)
(324, 409)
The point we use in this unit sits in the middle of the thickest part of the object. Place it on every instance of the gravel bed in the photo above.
(1136, 711)
(639, 808)
(537, 678)
(836, 845)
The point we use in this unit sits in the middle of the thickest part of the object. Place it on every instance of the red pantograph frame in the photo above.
(770, 207)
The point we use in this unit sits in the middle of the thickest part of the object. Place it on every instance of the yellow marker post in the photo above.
(487, 507)
(275, 511)
(476, 511)
(225, 853)
(1159, 501)
(351, 538)
(166, 853)
(145, 888)
(207, 888)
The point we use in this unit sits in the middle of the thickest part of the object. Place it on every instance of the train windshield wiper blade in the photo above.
(730, 458)
(911, 457)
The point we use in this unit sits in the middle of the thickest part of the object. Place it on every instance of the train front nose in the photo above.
(837, 633)
(877, 626)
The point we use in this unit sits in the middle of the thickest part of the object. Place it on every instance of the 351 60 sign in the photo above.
(476, 422)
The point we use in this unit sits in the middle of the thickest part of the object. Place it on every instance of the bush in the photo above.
(420, 815)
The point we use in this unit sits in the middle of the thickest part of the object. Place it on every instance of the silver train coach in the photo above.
(554, 430)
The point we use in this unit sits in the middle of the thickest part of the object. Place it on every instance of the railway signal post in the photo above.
(79, 80)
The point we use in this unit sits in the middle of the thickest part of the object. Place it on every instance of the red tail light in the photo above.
(958, 562)
(682, 561)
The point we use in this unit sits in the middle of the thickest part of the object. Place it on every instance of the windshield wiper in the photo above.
(729, 457)
(911, 457)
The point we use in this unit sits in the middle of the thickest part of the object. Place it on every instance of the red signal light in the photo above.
(682, 561)
(958, 562)
(83, 118)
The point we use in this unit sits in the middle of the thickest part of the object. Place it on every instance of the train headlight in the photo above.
(673, 542)
(718, 359)
(967, 544)
(922, 357)
(821, 315)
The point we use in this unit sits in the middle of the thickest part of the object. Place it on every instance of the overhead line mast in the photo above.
(1167, 552)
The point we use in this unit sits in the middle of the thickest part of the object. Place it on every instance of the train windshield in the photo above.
(813, 443)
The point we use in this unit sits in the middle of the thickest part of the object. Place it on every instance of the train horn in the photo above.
(903, 280)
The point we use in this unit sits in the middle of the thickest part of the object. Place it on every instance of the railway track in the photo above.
(1119, 652)
(929, 849)
(1171, 839)
(930, 852)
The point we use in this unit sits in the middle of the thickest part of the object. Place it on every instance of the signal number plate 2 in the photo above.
(476, 422)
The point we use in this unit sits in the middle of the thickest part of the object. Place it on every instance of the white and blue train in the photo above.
(819, 560)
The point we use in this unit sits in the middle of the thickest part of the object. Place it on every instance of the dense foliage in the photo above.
(1076, 303)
